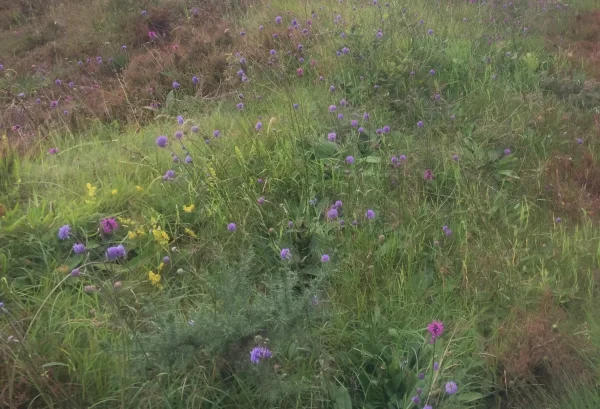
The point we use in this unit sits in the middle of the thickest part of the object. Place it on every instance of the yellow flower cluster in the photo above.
(91, 192)
(189, 209)
(190, 233)
(155, 280)
(161, 237)
(134, 231)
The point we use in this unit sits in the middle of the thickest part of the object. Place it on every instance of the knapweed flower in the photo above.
(432, 72)
(189, 208)
(338, 203)
(379, 34)
(300, 72)
(188, 159)
(429, 32)
(64, 232)
(195, 129)
(558, 220)
(285, 254)
(176, 85)
(579, 141)
(295, 106)
(231, 227)
(340, 116)
(75, 272)
(259, 353)
(115, 252)
(428, 174)
(332, 88)
(53, 151)
(240, 106)
(370, 214)
(58, 82)
(349, 160)
(109, 225)
(420, 124)
(506, 152)
(331, 137)
(345, 50)
(152, 35)
(332, 213)
(436, 329)
(78, 248)
(451, 388)
(325, 258)
(386, 129)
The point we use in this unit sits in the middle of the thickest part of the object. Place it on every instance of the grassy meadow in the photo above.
(299, 204)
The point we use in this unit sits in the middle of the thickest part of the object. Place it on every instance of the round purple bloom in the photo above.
(78, 248)
(240, 73)
(432, 72)
(240, 106)
(455, 157)
(421, 376)
(162, 141)
(345, 50)
(338, 203)
(243, 61)
(415, 399)
(169, 175)
(109, 225)
(58, 82)
(176, 85)
(420, 124)
(506, 152)
(428, 174)
(231, 227)
(258, 126)
(452, 117)
(331, 137)
(370, 214)
(436, 366)
(361, 130)
(216, 133)
(558, 220)
(278, 19)
(285, 254)
(290, 224)
(386, 129)
(340, 116)
(75, 272)
(53, 151)
(332, 88)
(332, 108)
(427, 407)
(143, 12)
(115, 252)
(259, 353)
(180, 120)
(260, 200)
(179, 134)
(429, 32)
(349, 160)
(195, 129)
(332, 213)
(379, 34)
(325, 258)
(354, 123)
(188, 159)
(451, 388)
(64, 232)
(166, 260)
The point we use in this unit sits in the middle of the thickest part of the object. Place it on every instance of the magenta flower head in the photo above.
(53, 151)
(436, 329)
(64, 232)
(78, 248)
(259, 353)
(370, 214)
(428, 174)
(285, 254)
(420, 124)
(162, 141)
(379, 34)
(349, 160)
(451, 388)
(109, 225)
(325, 258)
(115, 252)
(300, 72)
(231, 227)
(331, 137)
(152, 35)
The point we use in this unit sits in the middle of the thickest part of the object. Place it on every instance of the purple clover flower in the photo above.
(285, 254)
(78, 248)
(259, 353)
(115, 252)
(64, 232)
(451, 388)
(370, 214)
(109, 225)
(162, 141)
(349, 160)
(331, 137)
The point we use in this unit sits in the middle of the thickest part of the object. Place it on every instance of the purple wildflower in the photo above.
(169, 175)
(332, 108)
(349, 160)
(166, 260)
(109, 225)
(78, 248)
(420, 124)
(506, 152)
(53, 151)
(332, 213)
(180, 120)
(176, 85)
(428, 174)
(354, 123)
(386, 129)
(429, 32)
(370, 214)
(278, 19)
(285, 254)
(259, 353)
(340, 116)
(231, 227)
(258, 126)
(451, 388)
(455, 157)
(64, 232)
(260, 200)
(162, 141)
(115, 252)
(75, 272)
(179, 134)
(331, 137)
(325, 258)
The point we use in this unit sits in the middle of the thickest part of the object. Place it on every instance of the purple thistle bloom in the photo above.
(427, 407)
(429, 32)
(300, 47)
(354, 123)
(195, 129)
(379, 131)
(260, 200)
(143, 12)
(180, 120)
(349, 160)
(258, 126)
(370, 214)
(394, 160)
(290, 224)
(295, 106)
(455, 157)
(325, 258)
(176, 85)
(506, 152)
(260, 181)
(402, 158)
(162, 141)
(115, 252)
(261, 28)
(331, 137)
(179, 134)
(53, 104)
(331, 88)
(340, 116)
(216, 133)
(332, 213)
(421, 22)
(71, 84)
(451, 388)
(343, 102)
(321, 78)
(452, 117)
(64, 232)
(78, 248)
(58, 82)
(231, 227)
(169, 175)
(332, 108)
(285, 254)
(420, 124)
(53, 151)
(379, 34)
(366, 116)
(361, 130)
(428, 174)
(195, 80)
(300, 72)
(386, 129)
(175, 158)
(432, 72)
(338, 203)
(109, 225)
(259, 353)
(278, 19)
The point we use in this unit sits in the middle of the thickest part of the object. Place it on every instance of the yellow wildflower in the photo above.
(190, 233)
(91, 189)
(189, 209)
(139, 188)
(161, 237)
(161, 266)
(131, 235)
(114, 191)
(155, 280)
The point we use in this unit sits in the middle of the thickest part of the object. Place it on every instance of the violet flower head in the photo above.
(429, 32)
(180, 120)
(259, 353)
(162, 141)
(166, 260)
(216, 133)
(109, 225)
(370, 214)
(325, 258)
(506, 152)
(78, 248)
(428, 174)
(231, 227)
(455, 157)
(349, 160)
(451, 388)
(240, 106)
(338, 203)
(332, 108)
(340, 116)
(179, 134)
(332, 88)
(64, 232)
(169, 175)
(53, 151)
(176, 85)
(386, 129)
(278, 19)
(285, 254)
(332, 213)
(258, 126)
(331, 137)
(115, 252)
(420, 124)
(354, 123)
